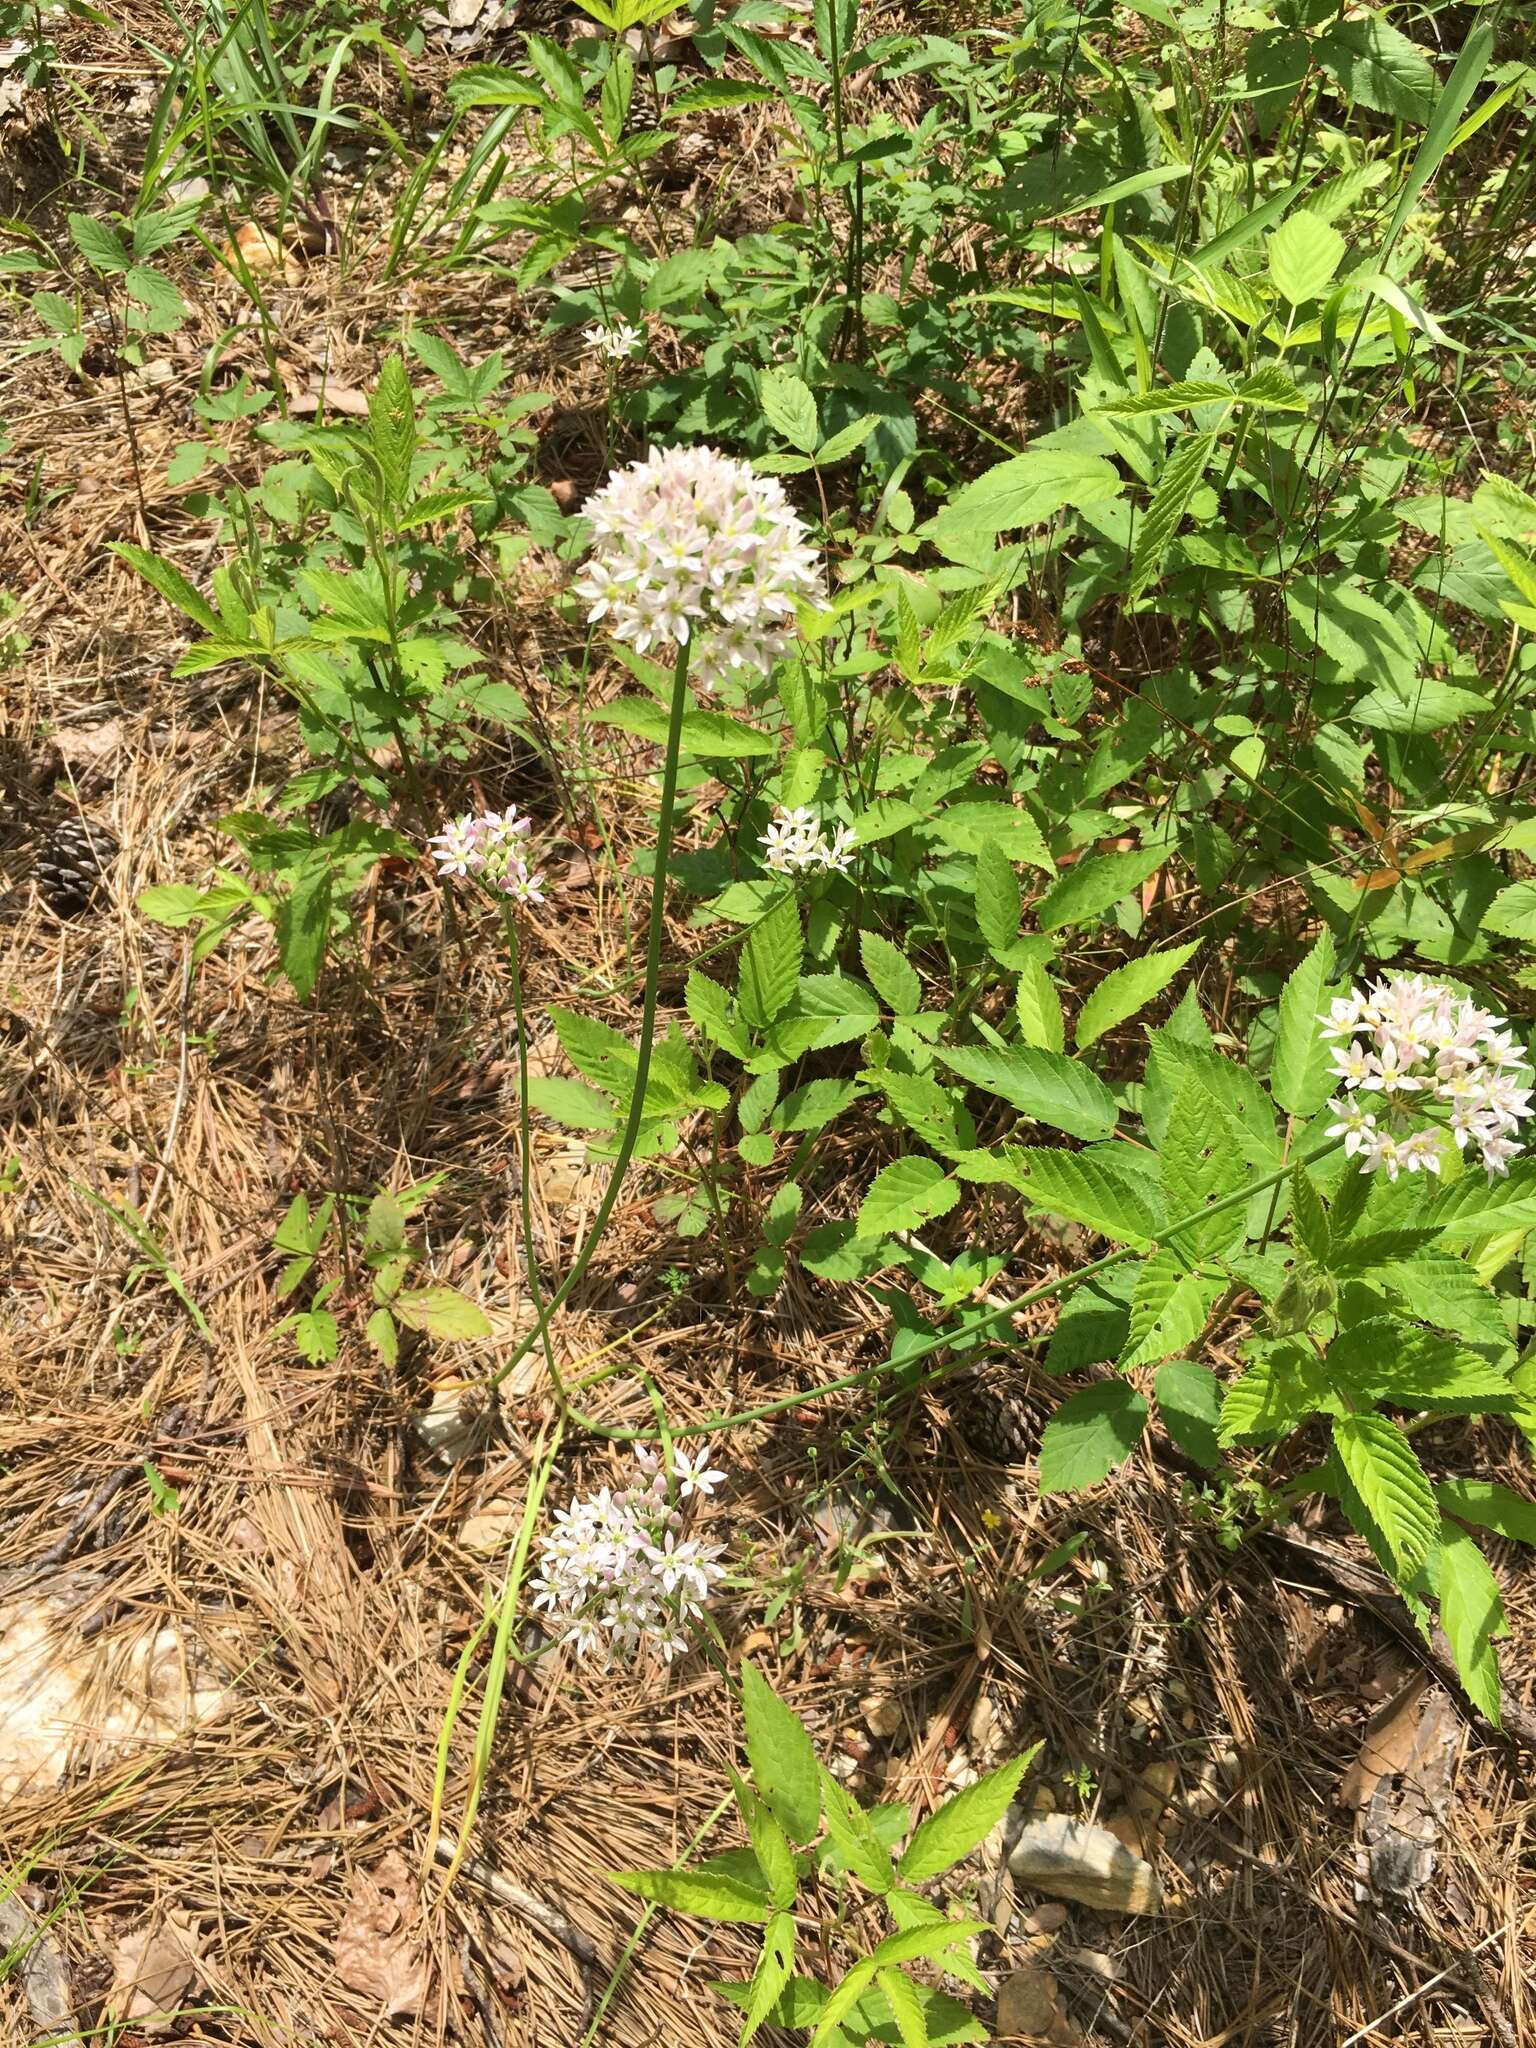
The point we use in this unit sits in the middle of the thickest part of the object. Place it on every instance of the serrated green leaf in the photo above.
(906, 1195)
(708, 1894)
(1085, 1191)
(383, 1336)
(392, 430)
(890, 973)
(964, 1820)
(1041, 1023)
(1391, 1484)
(1048, 1087)
(859, 1848)
(770, 964)
(1309, 1219)
(1299, 1074)
(781, 1757)
(901, 1996)
(1168, 1309)
(968, 827)
(769, 1844)
(1487, 1505)
(303, 927)
(931, 1938)
(1095, 882)
(711, 735)
(709, 1007)
(1089, 1435)
(441, 1312)
(1472, 1615)
(1200, 1163)
(1127, 990)
(1177, 483)
(168, 580)
(1475, 1207)
(1386, 1359)
(1512, 913)
(1189, 1402)
(999, 901)
(101, 246)
(1378, 66)
(1280, 1389)
(571, 1103)
(790, 409)
(1304, 252)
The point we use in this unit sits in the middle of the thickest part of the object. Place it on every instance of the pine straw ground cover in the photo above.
(315, 1558)
(313, 1571)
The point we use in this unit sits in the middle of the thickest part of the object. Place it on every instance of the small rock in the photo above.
(492, 1529)
(1073, 1859)
(882, 1714)
(1046, 1919)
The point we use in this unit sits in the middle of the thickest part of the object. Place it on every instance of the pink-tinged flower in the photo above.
(1355, 1125)
(457, 849)
(693, 1474)
(694, 548)
(492, 846)
(520, 885)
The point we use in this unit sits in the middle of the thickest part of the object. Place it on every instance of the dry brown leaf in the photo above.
(153, 1970)
(332, 398)
(260, 252)
(378, 1949)
(1029, 2009)
(1387, 1743)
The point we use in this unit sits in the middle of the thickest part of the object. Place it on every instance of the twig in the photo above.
(512, 1896)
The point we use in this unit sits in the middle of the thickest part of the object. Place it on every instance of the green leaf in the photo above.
(1168, 1309)
(789, 409)
(999, 902)
(770, 963)
(891, 973)
(769, 1846)
(781, 1757)
(392, 430)
(571, 1103)
(441, 1312)
(1085, 1191)
(906, 2010)
(1023, 491)
(1127, 990)
(709, 734)
(1386, 1359)
(905, 1195)
(859, 1848)
(1390, 1482)
(1472, 1615)
(1177, 483)
(1089, 1435)
(1487, 1505)
(102, 247)
(1476, 1207)
(1512, 913)
(317, 1335)
(963, 1821)
(166, 578)
(1304, 252)
(1309, 1219)
(1299, 1075)
(1048, 1087)
(708, 1894)
(384, 1225)
(1200, 1164)
(968, 827)
(773, 1970)
(931, 1938)
(174, 904)
(1094, 882)
(1189, 1402)
(1280, 1389)
(303, 927)
(381, 1333)
(1041, 1022)
(1379, 67)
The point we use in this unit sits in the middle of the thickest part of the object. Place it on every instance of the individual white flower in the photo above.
(1351, 1065)
(838, 851)
(794, 843)
(693, 1474)
(517, 882)
(1354, 1126)
(616, 343)
(1420, 1149)
(457, 849)
(692, 547)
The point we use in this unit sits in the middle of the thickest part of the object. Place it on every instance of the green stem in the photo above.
(647, 1039)
(617, 1433)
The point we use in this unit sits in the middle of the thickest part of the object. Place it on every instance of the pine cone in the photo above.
(70, 863)
(998, 1413)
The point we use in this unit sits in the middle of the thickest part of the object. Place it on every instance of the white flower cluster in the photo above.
(616, 344)
(492, 847)
(1418, 1046)
(795, 842)
(691, 546)
(619, 1570)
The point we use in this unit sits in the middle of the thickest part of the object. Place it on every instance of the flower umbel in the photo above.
(691, 547)
(1414, 1045)
(616, 343)
(621, 1571)
(795, 843)
(490, 847)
